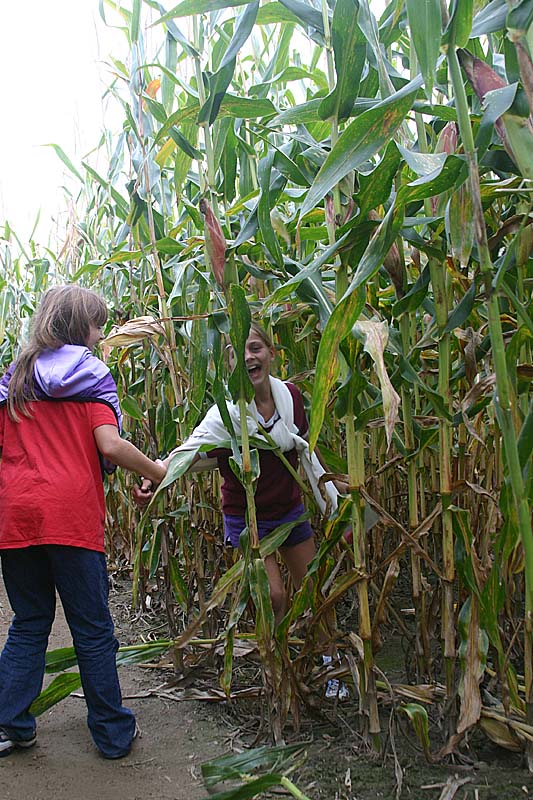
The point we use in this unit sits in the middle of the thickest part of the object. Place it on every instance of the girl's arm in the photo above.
(125, 454)
(143, 494)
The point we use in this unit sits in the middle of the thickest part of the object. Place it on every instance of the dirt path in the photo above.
(64, 765)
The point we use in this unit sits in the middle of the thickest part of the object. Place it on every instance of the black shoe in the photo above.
(8, 744)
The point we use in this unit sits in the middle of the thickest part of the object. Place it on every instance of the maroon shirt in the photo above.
(277, 492)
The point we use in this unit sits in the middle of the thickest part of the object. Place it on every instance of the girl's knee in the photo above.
(278, 598)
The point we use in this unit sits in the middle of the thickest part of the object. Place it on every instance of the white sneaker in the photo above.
(337, 690)
(8, 744)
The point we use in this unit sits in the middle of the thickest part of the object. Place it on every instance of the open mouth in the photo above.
(254, 370)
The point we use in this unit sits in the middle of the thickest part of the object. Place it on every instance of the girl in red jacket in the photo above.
(59, 428)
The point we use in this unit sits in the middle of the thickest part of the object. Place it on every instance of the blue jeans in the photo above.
(31, 576)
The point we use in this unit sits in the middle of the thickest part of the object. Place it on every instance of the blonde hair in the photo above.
(64, 316)
(257, 328)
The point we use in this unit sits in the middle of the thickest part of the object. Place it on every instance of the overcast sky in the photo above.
(51, 56)
(54, 59)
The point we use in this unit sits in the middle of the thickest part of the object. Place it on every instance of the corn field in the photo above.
(360, 181)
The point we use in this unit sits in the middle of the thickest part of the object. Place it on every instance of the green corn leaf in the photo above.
(240, 600)
(270, 13)
(135, 21)
(171, 63)
(338, 327)
(448, 176)
(218, 596)
(219, 393)
(369, 26)
(305, 13)
(413, 299)
(419, 718)
(251, 789)
(459, 28)
(302, 114)
(520, 137)
(64, 658)
(425, 25)
(177, 580)
(525, 438)
(221, 79)
(496, 103)
(378, 248)
(362, 138)
(227, 670)
(221, 130)
(311, 271)
(60, 659)
(349, 47)
(246, 107)
(410, 374)
(270, 543)
(141, 653)
(520, 16)
(264, 208)
(375, 187)
(198, 357)
(228, 163)
(185, 145)
(289, 168)
(464, 557)
(65, 159)
(179, 464)
(131, 407)
(58, 689)
(490, 19)
(236, 465)
(260, 592)
(169, 246)
(151, 552)
(231, 106)
(301, 601)
(177, 35)
(235, 765)
(189, 8)
(423, 163)
(462, 311)
(7, 297)
(459, 220)
(187, 113)
(121, 204)
(239, 383)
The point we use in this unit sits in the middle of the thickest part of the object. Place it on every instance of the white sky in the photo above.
(51, 56)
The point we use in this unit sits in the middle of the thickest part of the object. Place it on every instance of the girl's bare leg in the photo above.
(297, 558)
(278, 595)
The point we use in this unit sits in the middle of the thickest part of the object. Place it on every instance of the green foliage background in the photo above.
(356, 169)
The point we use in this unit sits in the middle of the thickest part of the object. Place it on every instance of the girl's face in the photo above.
(95, 335)
(258, 357)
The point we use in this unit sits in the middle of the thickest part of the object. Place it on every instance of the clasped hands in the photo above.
(143, 494)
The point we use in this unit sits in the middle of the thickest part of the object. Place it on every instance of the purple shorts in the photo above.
(234, 526)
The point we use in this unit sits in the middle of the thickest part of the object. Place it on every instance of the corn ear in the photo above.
(515, 132)
(215, 242)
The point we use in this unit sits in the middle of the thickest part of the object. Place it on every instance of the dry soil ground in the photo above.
(64, 765)
(178, 736)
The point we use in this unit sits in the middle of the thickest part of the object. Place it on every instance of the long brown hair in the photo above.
(64, 316)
